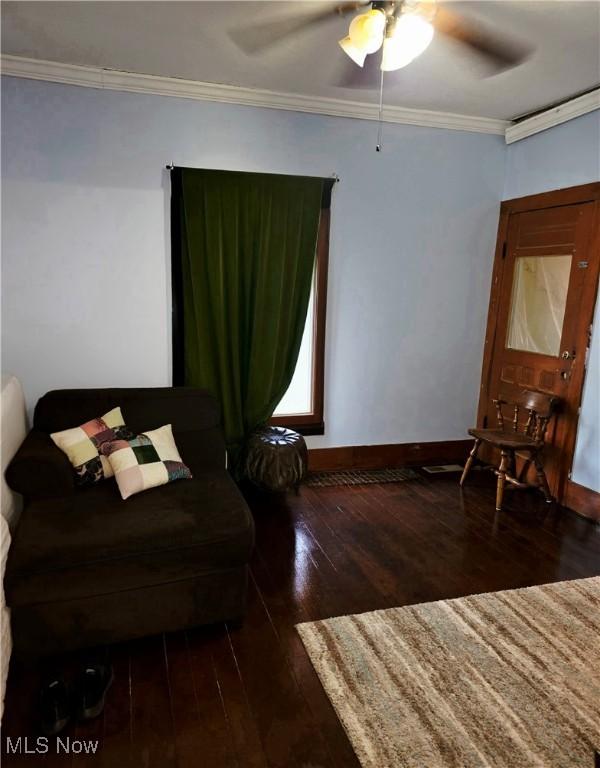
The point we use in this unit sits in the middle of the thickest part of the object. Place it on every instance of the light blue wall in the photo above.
(564, 156)
(85, 246)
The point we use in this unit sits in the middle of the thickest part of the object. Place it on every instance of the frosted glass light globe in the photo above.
(366, 31)
(358, 55)
(410, 38)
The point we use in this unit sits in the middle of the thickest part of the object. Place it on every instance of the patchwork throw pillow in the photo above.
(146, 461)
(84, 445)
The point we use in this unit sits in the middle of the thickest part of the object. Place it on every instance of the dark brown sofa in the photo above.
(86, 568)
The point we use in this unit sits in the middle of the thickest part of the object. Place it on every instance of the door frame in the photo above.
(583, 193)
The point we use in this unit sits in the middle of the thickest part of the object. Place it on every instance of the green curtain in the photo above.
(244, 248)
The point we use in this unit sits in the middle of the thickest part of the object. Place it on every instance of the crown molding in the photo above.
(115, 80)
(110, 79)
(581, 105)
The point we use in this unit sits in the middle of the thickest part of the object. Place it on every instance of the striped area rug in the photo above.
(499, 680)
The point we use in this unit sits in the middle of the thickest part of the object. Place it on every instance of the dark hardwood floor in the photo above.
(249, 697)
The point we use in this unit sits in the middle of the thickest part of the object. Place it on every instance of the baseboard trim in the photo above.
(582, 500)
(388, 456)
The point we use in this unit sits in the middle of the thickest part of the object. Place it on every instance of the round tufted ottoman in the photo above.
(276, 459)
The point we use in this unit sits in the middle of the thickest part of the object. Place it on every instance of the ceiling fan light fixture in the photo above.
(364, 36)
(366, 30)
(411, 36)
(394, 57)
(358, 55)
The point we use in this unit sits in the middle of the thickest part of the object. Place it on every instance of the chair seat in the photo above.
(505, 439)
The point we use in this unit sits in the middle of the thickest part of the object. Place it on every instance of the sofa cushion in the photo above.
(90, 543)
(39, 469)
(187, 409)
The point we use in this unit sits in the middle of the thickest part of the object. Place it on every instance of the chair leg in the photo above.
(504, 464)
(542, 479)
(470, 460)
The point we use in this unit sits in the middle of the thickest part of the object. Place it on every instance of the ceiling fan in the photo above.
(401, 29)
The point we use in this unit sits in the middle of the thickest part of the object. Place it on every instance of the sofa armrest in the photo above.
(39, 469)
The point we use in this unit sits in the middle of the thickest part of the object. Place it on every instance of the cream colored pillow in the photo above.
(84, 445)
(146, 461)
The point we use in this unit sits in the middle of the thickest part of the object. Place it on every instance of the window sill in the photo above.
(303, 428)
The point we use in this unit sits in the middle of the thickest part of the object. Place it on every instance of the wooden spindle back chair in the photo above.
(523, 419)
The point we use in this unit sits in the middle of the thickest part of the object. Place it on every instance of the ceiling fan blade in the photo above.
(367, 76)
(499, 51)
(254, 38)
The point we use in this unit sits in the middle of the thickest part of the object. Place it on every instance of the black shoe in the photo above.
(93, 682)
(55, 709)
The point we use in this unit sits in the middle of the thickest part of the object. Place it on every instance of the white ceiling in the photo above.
(189, 40)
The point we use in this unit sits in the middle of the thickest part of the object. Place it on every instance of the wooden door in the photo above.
(541, 308)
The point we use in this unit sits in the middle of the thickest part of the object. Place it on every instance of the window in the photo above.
(301, 408)
(538, 303)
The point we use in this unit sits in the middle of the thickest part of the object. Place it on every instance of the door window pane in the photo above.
(539, 297)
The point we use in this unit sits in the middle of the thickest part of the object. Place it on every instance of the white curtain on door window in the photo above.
(538, 303)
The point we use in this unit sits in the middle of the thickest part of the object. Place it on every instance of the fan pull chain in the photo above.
(380, 126)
